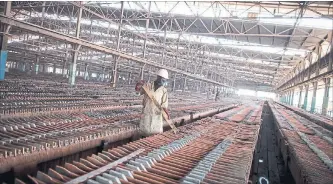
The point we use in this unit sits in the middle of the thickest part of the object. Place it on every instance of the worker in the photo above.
(151, 121)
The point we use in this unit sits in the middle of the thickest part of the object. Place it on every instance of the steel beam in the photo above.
(85, 43)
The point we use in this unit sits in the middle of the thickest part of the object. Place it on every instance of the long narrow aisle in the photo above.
(268, 163)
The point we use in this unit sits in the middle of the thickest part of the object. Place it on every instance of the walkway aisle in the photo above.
(267, 161)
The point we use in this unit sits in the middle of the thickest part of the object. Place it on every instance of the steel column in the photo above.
(330, 61)
(164, 40)
(149, 76)
(4, 29)
(300, 97)
(64, 67)
(72, 67)
(28, 66)
(174, 83)
(327, 82)
(146, 32)
(54, 68)
(116, 58)
(129, 78)
(305, 104)
(142, 72)
(184, 84)
(72, 71)
(103, 74)
(37, 65)
(45, 67)
(86, 71)
(313, 102)
(309, 68)
(292, 98)
(318, 51)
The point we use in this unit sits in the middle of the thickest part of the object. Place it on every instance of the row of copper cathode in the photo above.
(35, 137)
(310, 145)
(176, 162)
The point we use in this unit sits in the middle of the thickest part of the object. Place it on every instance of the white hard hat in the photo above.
(163, 73)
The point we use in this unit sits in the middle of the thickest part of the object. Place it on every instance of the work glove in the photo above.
(167, 112)
(139, 85)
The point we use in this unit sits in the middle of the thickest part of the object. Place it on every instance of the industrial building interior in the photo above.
(249, 92)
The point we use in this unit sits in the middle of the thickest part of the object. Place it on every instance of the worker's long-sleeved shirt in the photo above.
(152, 121)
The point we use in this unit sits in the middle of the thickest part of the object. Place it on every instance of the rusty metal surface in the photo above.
(247, 114)
(324, 121)
(100, 170)
(170, 158)
(309, 152)
(43, 118)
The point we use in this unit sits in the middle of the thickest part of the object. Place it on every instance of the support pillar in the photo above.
(115, 66)
(86, 71)
(184, 84)
(114, 72)
(77, 70)
(149, 76)
(72, 70)
(318, 51)
(103, 74)
(64, 68)
(174, 83)
(129, 78)
(324, 107)
(163, 52)
(305, 104)
(300, 97)
(4, 41)
(28, 68)
(330, 59)
(142, 72)
(54, 68)
(200, 83)
(313, 102)
(292, 98)
(44, 68)
(146, 32)
(23, 66)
